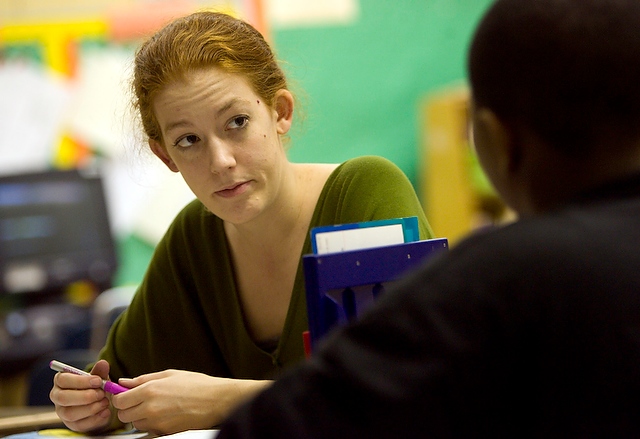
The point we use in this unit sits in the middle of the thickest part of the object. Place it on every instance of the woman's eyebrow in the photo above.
(177, 124)
(230, 104)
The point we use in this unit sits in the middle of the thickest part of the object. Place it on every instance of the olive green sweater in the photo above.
(186, 313)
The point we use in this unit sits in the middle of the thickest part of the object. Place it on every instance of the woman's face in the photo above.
(225, 141)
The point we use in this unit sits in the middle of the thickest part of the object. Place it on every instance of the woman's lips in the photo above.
(234, 190)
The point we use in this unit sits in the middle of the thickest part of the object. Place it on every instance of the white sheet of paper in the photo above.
(99, 112)
(359, 239)
(298, 13)
(194, 434)
(142, 195)
(32, 108)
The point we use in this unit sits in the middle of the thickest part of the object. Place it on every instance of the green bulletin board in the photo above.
(362, 82)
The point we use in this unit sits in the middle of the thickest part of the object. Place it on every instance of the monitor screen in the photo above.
(54, 230)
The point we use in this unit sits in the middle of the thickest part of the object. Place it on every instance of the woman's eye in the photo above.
(186, 141)
(237, 122)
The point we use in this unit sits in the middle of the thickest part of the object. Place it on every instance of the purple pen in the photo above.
(108, 386)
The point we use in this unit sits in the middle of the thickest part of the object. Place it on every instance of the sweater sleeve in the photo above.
(370, 188)
(165, 326)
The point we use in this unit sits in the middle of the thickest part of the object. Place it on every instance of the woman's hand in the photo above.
(175, 400)
(80, 401)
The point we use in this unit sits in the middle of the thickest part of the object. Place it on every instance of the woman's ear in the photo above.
(283, 104)
(161, 152)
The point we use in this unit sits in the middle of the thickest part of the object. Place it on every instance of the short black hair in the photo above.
(569, 70)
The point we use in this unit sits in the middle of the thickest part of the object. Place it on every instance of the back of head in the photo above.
(201, 40)
(568, 70)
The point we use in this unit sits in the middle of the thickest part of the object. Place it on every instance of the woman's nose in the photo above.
(221, 157)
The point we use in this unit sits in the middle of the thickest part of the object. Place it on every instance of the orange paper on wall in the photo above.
(141, 20)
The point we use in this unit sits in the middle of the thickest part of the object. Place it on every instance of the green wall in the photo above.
(362, 83)
(360, 86)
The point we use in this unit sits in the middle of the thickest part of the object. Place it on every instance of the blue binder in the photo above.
(340, 286)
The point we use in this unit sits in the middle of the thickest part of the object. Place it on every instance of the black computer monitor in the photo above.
(54, 230)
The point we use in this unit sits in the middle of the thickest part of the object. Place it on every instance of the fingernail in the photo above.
(96, 382)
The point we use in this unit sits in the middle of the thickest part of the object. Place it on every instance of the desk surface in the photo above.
(20, 419)
(27, 419)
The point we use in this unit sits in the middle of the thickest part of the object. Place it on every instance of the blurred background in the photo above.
(371, 77)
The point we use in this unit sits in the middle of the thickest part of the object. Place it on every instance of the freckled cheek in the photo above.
(193, 163)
